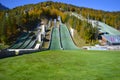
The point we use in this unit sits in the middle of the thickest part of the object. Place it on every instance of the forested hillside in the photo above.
(13, 22)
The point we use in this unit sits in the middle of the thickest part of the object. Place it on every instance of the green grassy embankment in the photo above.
(62, 65)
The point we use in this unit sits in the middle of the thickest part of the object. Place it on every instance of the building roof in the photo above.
(113, 39)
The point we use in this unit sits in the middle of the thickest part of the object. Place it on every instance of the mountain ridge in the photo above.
(2, 7)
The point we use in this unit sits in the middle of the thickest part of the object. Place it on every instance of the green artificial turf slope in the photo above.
(62, 65)
(66, 40)
(55, 41)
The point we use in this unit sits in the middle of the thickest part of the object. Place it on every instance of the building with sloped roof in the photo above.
(111, 39)
(108, 34)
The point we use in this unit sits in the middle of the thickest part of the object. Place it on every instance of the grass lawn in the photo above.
(62, 65)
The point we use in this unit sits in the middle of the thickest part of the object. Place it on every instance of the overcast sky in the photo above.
(107, 5)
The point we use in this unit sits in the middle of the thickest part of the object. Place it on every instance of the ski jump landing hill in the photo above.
(110, 34)
(28, 42)
(61, 39)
